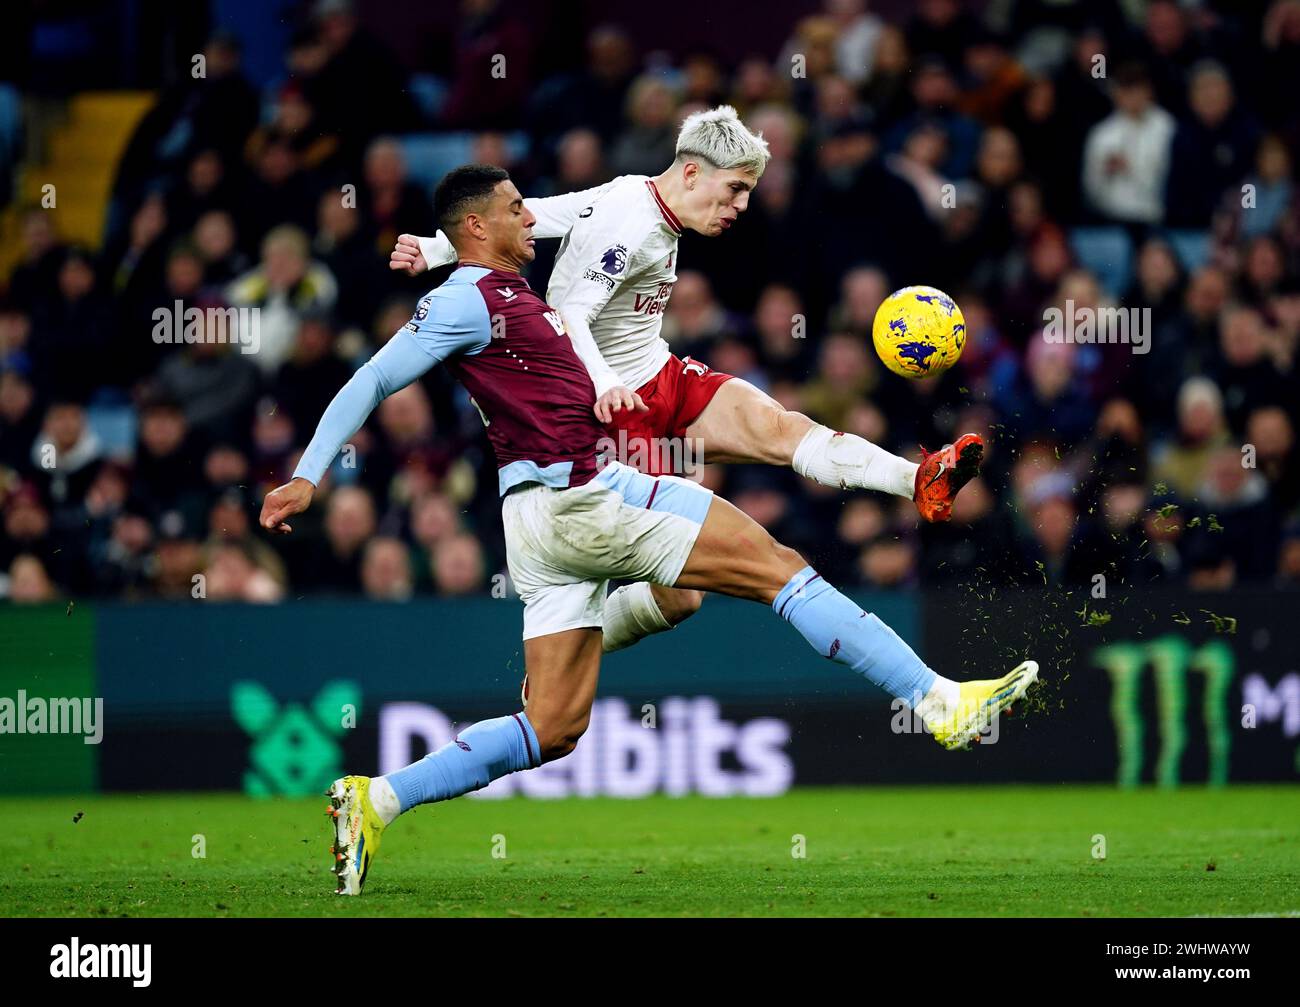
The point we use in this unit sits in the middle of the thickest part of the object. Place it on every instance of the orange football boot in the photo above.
(943, 473)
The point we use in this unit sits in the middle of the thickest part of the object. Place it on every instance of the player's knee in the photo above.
(783, 563)
(680, 604)
(787, 430)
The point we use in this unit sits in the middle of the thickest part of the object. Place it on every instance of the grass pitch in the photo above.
(975, 851)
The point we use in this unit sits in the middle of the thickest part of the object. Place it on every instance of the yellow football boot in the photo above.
(979, 704)
(358, 830)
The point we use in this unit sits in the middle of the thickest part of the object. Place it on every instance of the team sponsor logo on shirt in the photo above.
(614, 259)
(601, 278)
(654, 304)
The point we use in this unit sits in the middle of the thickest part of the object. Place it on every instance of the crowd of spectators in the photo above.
(1046, 154)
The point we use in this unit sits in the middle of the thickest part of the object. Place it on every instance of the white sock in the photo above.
(847, 461)
(384, 799)
(631, 613)
(940, 701)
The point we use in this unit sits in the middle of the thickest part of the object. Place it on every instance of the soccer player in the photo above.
(611, 283)
(573, 522)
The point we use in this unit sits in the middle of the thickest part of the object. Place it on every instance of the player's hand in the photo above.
(292, 498)
(406, 256)
(616, 400)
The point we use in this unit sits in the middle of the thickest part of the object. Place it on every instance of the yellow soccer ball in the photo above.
(919, 332)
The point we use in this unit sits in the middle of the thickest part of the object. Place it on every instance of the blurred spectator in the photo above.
(19, 420)
(593, 96)
(358, 84)
(217, 244)
(1271, 431)
(287, 285)
(312, 375)
(935, 93)
(695, 321)
(1211, 149)
(233, 575)
(650, 141)
(458, 565)
(1048, 396)
(215, 108)
(36, 274)
(350, 521)
(65, 454)
(213, 378)
(845, 374)
(72, 324)
(1243, 367)
(494, 58)
(295, 125)
(857, 34)
(1181, 464)
(28, 583)
(386, 570)
(1126, 155)
(391, 205)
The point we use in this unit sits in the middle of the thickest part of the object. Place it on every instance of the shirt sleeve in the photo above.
(450, 320)
(437, 251)
(556, 215)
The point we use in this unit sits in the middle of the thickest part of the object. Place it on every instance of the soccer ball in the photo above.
(919, 332)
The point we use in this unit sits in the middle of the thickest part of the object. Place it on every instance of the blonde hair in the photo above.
(718, 138)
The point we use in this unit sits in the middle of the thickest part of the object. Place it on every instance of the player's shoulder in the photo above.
(626, 227)
(457, 303)
(622, 208)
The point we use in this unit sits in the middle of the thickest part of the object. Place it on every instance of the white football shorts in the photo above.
(563, 546)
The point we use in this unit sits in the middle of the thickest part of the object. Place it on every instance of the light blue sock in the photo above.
(838, 629)
(477, 756)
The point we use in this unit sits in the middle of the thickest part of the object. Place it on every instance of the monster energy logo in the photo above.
(1170, 658)
(295, 751)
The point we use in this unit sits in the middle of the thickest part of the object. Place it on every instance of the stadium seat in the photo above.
(1107, 253)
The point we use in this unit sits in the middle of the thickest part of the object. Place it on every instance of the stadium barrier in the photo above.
(1167, 688)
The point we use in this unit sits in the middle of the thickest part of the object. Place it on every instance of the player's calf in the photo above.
(734, 555)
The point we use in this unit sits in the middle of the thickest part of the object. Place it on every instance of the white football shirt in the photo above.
(614, 272)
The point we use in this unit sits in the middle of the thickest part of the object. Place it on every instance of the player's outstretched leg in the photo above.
(734, 555)
(743, 424)
(563, 667)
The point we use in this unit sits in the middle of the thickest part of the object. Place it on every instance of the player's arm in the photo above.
(448, 321)
(555, 216)
(601, 274)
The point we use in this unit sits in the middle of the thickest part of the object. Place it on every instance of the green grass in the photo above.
(977, 851)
